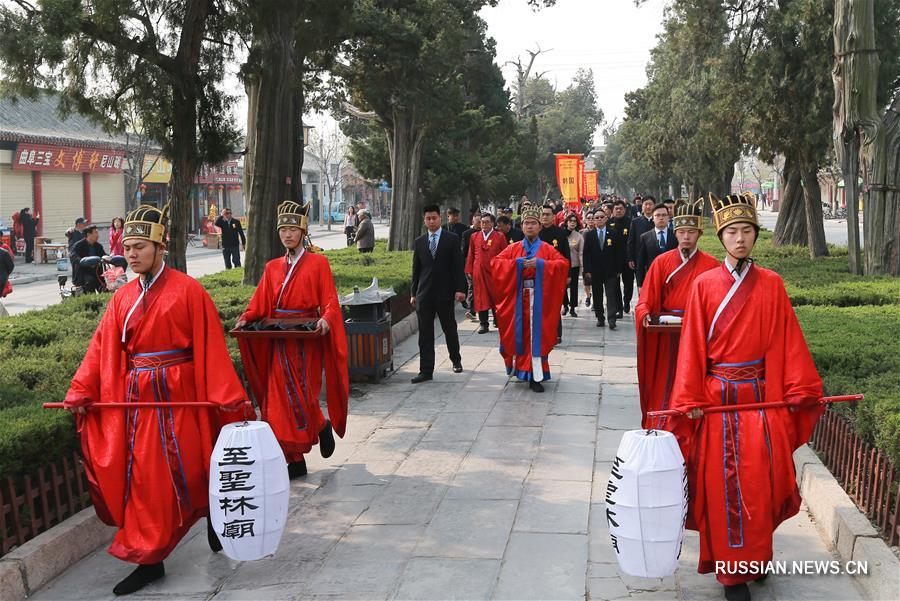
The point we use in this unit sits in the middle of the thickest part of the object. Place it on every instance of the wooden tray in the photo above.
(655, 326)
(280, 328)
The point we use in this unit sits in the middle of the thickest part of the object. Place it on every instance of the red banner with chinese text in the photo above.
(577, 200)
(568, 176)
(591, 185)
(44, 157)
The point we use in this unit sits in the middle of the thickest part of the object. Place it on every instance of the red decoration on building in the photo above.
(44, 157)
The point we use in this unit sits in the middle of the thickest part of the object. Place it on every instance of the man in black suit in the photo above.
(655, 242)
(453, 223)
(505, 226)
(621, 222)
(640, 224)
(437, 279)
(232, 238)
(604, 257)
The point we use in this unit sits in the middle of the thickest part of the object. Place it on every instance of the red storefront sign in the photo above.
(43, 157)
(226, 173)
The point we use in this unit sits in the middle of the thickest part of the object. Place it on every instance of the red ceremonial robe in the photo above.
(285, 375)
(148, 468)
(666, 289)
(528, 304)
(741, 343)
(478, 265)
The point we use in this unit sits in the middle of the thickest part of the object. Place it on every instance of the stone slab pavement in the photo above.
(467, 487)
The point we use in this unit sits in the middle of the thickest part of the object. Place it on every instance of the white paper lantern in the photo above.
(249, 490)
(646, 503)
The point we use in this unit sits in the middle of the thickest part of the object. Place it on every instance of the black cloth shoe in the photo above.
(326, 440)
(536, 386)
(600, 323)
(565, 311)
(214, 543)
(612, 325)
(139, 578)
(457, 368)
(572, 312)
(296, 469)
(420, 377)
(737, 592)
(628, 308)
(483, 329)
(619, 315)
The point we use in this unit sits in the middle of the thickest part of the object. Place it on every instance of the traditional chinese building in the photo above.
(62, 168)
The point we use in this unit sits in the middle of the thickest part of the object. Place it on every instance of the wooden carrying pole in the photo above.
(756, 406)
(141, 405)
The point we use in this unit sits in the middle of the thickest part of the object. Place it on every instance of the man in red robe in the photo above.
(741, 343)
(285, 375)
(160, 340)
(483, 247)
(665, 292)
(529, 280)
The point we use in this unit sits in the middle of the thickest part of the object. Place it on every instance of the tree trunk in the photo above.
(881, 219)
(185, 153)
(815, 221)
(272, 145)
(184, 168)
(405, 144)
(850, 173)
(791, 225)
(299, 104)
(845, 114)
(728, 177)
(251, 86)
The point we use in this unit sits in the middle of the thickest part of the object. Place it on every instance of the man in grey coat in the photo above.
(365, 233)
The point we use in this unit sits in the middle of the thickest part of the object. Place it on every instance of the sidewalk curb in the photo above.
(46, 556)
(404, 328)
(37, 278)
(845, 528)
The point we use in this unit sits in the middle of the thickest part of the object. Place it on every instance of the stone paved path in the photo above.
(468, 487)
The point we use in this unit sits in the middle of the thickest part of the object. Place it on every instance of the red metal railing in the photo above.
(34, 503)
(868, 475)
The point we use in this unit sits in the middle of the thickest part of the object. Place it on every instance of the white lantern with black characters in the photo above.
(248, 490)
(646, 503)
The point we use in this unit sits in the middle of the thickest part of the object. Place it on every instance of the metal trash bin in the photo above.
(370, 347)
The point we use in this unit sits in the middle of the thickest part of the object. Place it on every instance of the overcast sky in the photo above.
(612, 37)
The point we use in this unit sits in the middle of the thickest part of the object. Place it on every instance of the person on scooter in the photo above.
(87, 277)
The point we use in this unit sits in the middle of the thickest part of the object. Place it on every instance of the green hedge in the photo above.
(41, 350)
(856, 349)
(850, 323)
